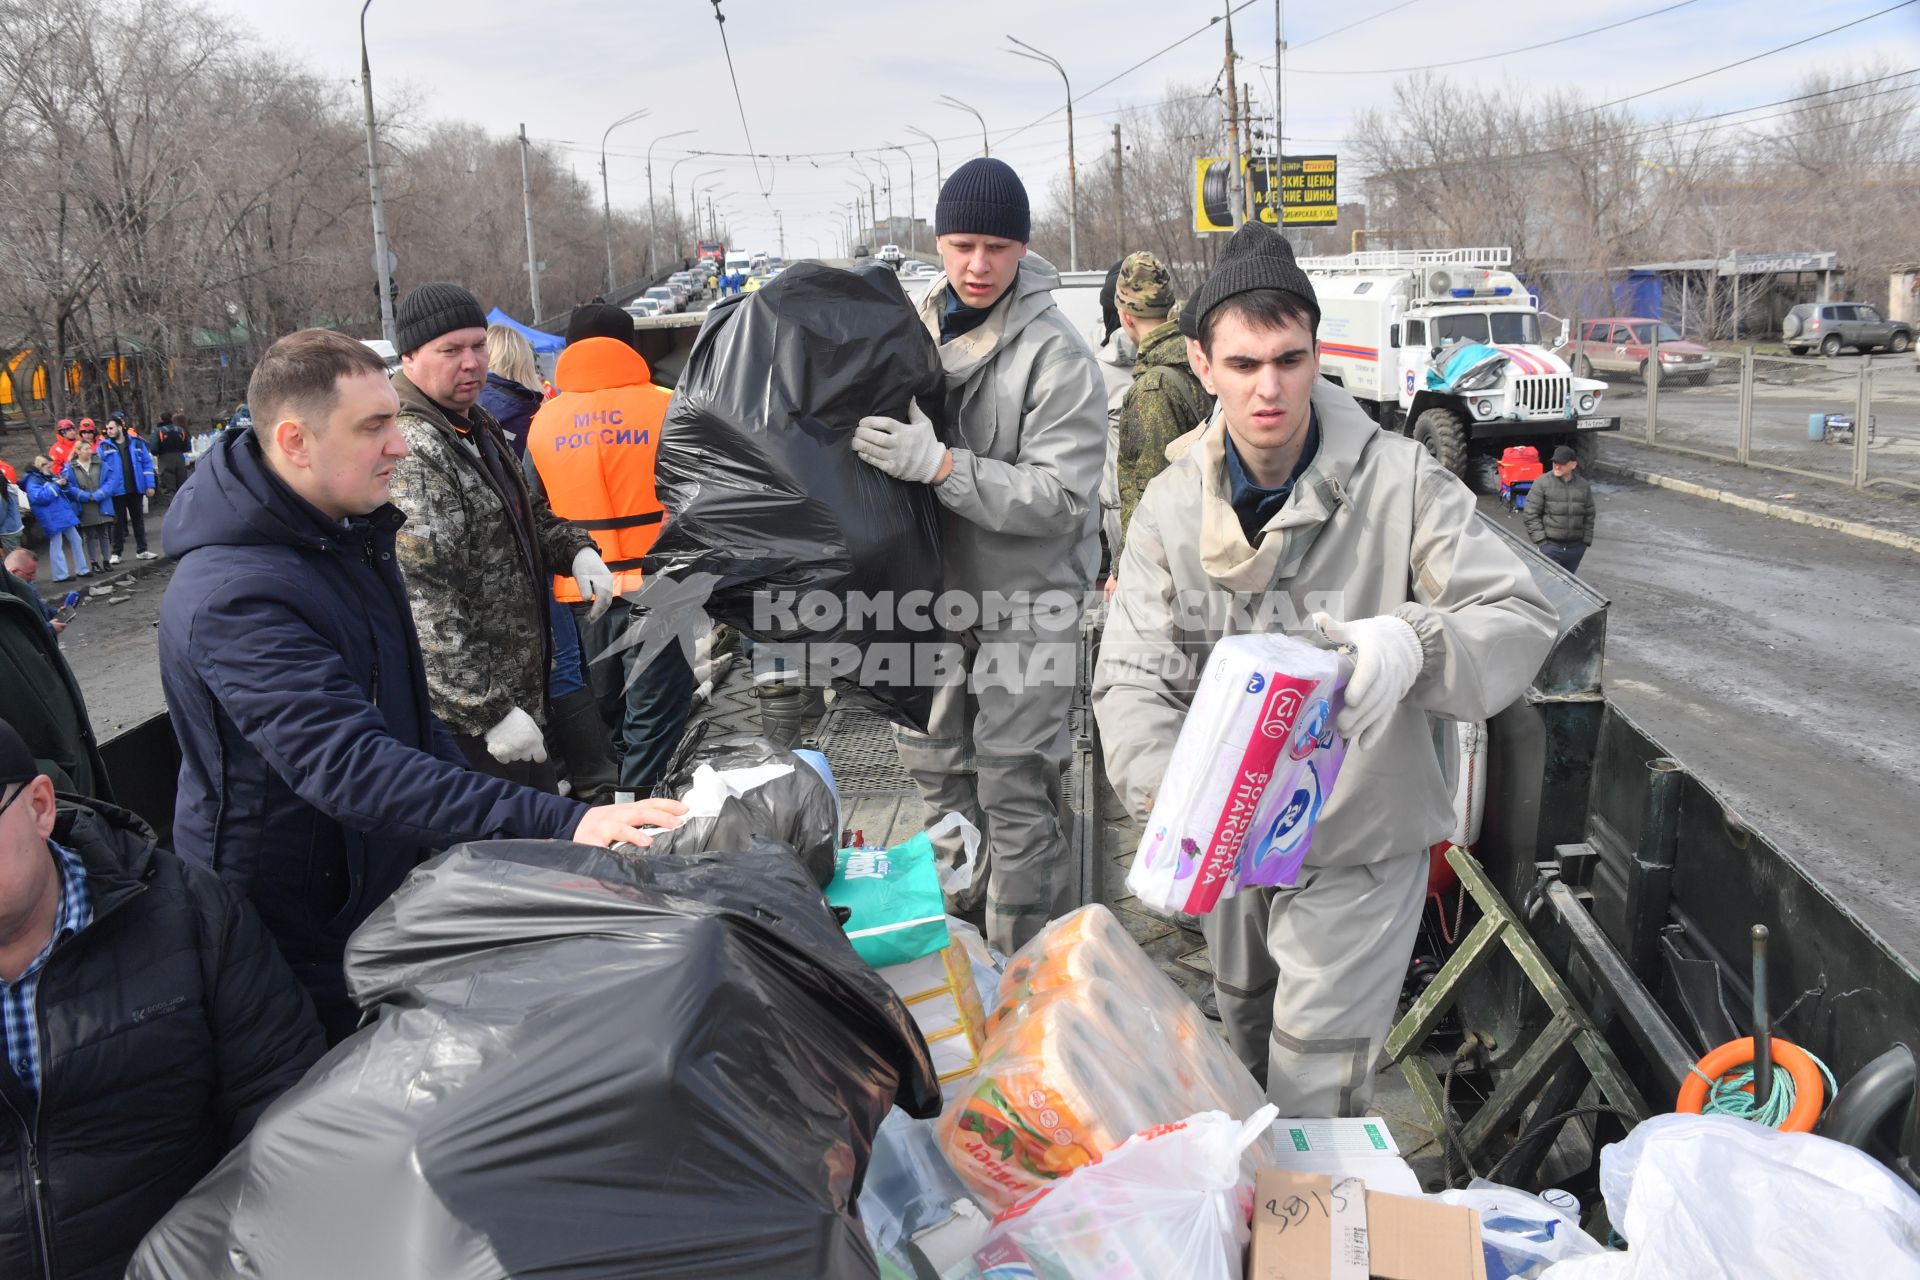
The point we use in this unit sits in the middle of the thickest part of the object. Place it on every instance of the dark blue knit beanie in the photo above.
(983, 197)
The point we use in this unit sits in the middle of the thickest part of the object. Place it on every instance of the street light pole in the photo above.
(1073, 179)
(913, 235)
(948, 99)
(673, 200)
(888, 170)
(939, 179)
(526, 198)
(693, 190)
(653, 218)
(606, 200)
(382, 255)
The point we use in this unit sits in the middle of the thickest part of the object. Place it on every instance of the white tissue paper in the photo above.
(1255, 762)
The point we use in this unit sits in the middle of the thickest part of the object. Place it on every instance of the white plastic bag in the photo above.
(1521, 1234)
(1714, 1198)
(1173, 1201)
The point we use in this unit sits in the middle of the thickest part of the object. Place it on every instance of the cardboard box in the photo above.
(1308, 1226)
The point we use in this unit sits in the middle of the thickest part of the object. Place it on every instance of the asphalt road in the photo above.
(1781, 664)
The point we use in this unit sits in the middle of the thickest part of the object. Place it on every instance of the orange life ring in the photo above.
(1810, 1091)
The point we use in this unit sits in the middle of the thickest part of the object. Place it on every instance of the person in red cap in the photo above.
(67, 439)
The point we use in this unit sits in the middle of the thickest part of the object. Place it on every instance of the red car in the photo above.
(1624, 344)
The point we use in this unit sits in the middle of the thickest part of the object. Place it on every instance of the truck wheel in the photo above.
(1830, 345)
(1586, 449)
(1900, 341)
(1445, 437)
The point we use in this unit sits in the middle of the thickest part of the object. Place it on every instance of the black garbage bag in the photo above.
(797, 809)
(582, 1066)
(765, 498)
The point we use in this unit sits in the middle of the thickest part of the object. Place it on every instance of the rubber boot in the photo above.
(585, 749)
(788, 710)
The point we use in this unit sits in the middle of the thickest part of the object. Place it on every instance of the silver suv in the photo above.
(1834, 326)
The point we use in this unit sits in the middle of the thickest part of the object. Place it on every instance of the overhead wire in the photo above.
(766, 187)
(1674, 84)
(1487, 57)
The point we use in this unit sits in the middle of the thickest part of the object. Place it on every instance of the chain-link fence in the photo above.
(1852, 420)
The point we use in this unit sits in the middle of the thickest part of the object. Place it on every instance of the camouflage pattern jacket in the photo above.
(1165, 402)
(477, 578)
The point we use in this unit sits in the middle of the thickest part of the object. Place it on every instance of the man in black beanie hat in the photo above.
(1294, 508)
(1017, 479)
(479, 545)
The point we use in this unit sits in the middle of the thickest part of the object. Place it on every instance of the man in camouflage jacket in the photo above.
(478, 547)
(1166, 400)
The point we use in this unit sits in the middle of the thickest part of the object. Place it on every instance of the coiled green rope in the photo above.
(1732, 1094)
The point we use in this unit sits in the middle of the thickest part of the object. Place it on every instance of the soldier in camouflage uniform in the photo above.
(1166, 400)
(477, 545)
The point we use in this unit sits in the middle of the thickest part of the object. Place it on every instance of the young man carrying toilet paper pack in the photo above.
(1289, 503)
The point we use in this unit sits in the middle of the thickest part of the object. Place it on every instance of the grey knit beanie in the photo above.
(984, 197)
(1257, 257)
(434, 308)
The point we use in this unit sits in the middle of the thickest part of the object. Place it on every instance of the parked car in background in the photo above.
(664, 296)
(643, 307)
(687, 281)
(1624, 344)
(890, 253)
(1832, 327)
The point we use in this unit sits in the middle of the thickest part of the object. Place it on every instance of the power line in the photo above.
(719, 18)
(1818, 35)
(1488, 57)
(1328, 35)
(1678, 131)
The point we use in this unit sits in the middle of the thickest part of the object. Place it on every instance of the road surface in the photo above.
(1781, 664)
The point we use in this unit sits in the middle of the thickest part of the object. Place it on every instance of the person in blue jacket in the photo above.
(314, 776)
(53, 506)
(127, 473)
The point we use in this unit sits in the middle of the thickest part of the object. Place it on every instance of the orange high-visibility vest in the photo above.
(594, 446)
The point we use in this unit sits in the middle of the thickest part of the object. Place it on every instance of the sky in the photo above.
(829, 76)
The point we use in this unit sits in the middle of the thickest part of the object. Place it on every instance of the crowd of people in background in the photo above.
(92, 487)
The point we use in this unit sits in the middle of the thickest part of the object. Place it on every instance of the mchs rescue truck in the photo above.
(1387, 321)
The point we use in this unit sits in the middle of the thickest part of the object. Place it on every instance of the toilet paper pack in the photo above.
(1250, 773)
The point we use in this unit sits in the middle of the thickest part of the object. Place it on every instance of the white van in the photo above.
(739, 262)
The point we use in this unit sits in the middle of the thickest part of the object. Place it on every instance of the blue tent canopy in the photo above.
(543, 343)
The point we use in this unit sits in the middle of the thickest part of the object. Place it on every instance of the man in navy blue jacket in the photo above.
(314, 776)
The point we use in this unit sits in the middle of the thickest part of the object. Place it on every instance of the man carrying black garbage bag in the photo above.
(1019, 507)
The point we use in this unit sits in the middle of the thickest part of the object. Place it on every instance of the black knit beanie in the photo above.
(431, 310)
(983, 197)
(16, 761)
(600, 320)
(1257, 257)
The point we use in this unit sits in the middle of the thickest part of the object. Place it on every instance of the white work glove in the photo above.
(516, 737)
(904, 450)
(595, 580)
(1386, 661)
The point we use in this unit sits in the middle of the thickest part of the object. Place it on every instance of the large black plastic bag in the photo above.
(758, 476)
(798, 810)
(582, 1067)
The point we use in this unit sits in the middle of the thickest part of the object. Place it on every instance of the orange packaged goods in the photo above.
(1088, 1044)
(1520, 463)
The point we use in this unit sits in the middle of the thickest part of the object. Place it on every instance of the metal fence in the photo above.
(1851, 420)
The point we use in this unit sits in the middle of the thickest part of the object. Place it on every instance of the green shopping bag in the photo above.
(897, 896)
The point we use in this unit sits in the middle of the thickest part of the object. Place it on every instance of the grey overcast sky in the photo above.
(835, 75)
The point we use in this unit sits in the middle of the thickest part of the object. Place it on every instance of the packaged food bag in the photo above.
(897, 896)
(1251, 771)
(1089, 1044)
(1174, 1200)
(939, 992)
